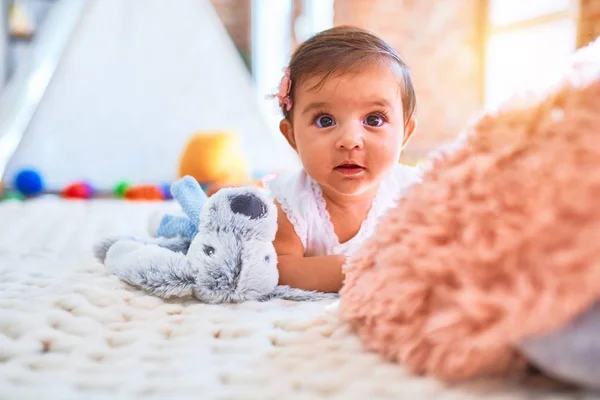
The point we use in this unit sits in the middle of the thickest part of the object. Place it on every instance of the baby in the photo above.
(348, 102)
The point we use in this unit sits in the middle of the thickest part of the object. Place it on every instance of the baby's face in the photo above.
(349, 132)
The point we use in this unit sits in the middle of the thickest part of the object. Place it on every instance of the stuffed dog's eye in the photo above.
(209, 250)
(267, 258)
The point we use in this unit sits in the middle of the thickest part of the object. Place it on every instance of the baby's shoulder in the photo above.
(293, 193)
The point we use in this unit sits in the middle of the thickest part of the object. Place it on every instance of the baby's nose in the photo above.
(248, 205)
(351, 138)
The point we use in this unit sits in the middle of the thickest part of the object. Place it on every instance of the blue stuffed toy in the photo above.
(191, 198)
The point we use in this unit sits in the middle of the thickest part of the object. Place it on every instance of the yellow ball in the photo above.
(215, 157)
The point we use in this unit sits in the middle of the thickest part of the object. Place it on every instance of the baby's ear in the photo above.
(286, 128)
(409, 129)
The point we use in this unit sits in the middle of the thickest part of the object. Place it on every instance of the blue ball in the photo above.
(29, 182)
(166, 191)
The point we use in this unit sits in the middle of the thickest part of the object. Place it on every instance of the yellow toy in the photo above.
(215, 158)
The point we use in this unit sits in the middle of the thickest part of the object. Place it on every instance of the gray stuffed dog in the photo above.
(231, 258)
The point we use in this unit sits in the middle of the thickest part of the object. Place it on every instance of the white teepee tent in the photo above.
(136, 80)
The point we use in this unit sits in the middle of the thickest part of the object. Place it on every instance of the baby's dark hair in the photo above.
(346, 49)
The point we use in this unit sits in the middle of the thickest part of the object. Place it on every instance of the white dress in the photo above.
(302, 200)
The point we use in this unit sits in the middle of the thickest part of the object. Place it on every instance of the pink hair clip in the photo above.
(284, 91)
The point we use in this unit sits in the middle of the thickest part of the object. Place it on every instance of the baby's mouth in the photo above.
(349, 168)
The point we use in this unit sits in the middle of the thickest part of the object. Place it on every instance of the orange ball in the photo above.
(215, 157)
(144, 193)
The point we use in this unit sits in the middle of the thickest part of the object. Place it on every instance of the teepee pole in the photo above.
(22, 95)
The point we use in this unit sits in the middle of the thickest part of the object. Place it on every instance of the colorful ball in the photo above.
(29, 182)
(120, 189)
(11, 195)
(144, 193)
(78, 190)
(166, 191)
(216, 157)
(90, 189)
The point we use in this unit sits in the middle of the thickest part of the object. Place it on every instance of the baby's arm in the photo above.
(322, 274)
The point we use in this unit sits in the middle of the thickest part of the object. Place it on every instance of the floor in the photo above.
(68, 330)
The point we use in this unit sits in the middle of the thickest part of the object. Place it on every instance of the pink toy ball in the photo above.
(90, 189)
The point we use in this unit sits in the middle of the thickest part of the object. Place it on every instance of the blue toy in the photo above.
(29, 182)
(191, 198)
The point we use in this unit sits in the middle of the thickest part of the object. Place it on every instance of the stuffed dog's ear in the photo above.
(248, 204)
(245, 211)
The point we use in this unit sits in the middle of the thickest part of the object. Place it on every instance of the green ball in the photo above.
(121, 188)
(12, 195)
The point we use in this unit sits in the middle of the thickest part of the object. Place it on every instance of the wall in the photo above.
(589, 21)
(271, 48)
(441, 41)
(236, 16)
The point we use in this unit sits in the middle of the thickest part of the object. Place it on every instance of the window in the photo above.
(271, 49)
(528, 41)
(272, 45)
(317, 16)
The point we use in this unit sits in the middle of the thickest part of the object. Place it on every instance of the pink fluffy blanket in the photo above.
(500, 242)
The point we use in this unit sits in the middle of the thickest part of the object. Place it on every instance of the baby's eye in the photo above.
(374, 120)
(324, 121)
(209, 250)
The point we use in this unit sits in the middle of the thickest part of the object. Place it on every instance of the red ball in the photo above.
(77, 190)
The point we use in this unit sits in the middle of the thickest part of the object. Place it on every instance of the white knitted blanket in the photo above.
(70, 331)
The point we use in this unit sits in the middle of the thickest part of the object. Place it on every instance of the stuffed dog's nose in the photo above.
(248, 205)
